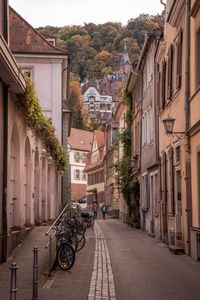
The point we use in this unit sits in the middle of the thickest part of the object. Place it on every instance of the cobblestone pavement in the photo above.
(102, 281)
(145, 269)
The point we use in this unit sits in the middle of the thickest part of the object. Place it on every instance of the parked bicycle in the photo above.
(65, 252)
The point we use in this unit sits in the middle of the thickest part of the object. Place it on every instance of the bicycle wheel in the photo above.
(81, 243)
(65, 256)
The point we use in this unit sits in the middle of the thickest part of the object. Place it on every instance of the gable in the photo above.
(25, 39)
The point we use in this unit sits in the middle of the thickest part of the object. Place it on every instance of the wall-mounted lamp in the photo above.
(169, 126)
(61, 173)
(43, 153)
(133, 162)
(50, 160)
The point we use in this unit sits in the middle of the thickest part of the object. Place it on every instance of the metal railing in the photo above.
(51, 233)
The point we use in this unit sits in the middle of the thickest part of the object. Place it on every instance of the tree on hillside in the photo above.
(79, 112)
(96, 49)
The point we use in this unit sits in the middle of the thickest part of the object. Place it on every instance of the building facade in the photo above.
(99, 103)
(112, 193)
(95, 169)
(39, 58)
(174, 149)
(194, 131)
(79, 145)
(134, 88)
(12, 83)
(29, 176)
(149, 193)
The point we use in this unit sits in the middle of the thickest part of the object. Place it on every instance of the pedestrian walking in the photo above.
(94, 208)
(104, 210)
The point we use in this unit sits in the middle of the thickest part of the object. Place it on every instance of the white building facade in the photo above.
(99, 105)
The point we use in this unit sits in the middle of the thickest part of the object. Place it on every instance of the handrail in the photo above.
(54, 223)
(51, 236)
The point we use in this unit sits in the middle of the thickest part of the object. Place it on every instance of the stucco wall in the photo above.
(49, 91)
(32, 178)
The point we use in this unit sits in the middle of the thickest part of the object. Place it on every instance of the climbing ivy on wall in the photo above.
(123, 166)
(41, 125)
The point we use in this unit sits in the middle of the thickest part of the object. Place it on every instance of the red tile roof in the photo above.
(80, 139)
(100, 144)
(100, 138)
(25, 39)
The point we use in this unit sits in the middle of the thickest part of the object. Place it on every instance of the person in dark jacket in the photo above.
(104, 210)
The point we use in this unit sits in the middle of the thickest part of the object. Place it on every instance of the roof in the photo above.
(100, 138)
(80, 139)
(100, 87)
(99, 135)
(25, 39)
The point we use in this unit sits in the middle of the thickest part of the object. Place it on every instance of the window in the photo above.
(171, 181)
(178, 59)
(177, 155)
(77, 174)
(169, 72)
(163, 86)
(83, 176)
(197, 58)
(156, 191)
(83, 157)
(77, 157)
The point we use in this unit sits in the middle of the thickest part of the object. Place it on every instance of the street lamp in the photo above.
(169, 126)
(133, 162)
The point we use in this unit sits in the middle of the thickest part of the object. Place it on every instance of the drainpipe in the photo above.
(187, 65)
(164, 4)
(5, 167)
(5, 17)
(187, 125)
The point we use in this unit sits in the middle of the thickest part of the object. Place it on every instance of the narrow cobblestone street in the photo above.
(125, 264)
(102, 282)
(144, 268)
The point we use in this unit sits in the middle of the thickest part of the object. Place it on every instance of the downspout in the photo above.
(63, 137)
(5, 167)
(6, 25)
(187, 66)
(5, 143)
(187, 125)
(164, 4)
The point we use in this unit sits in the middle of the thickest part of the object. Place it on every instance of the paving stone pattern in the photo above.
(102, 282)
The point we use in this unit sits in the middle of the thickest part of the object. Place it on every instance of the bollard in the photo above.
(50, 255)
(13, 284)
(35, 273)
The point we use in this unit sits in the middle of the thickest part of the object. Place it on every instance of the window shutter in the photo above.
(169, 72)
(179, 59)
(163, 85)
(171, 176)
(164, 187)
(147, 190)
(158, 86)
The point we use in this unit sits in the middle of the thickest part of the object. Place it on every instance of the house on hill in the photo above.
(98, 101)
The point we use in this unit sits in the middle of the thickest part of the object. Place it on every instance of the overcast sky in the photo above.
(76, 12)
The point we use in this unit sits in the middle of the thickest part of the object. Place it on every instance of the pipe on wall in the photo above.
(5, 167)
(164, 4)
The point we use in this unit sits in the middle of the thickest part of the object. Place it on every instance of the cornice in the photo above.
(9, 70)
(175, 12)
(195, 8)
